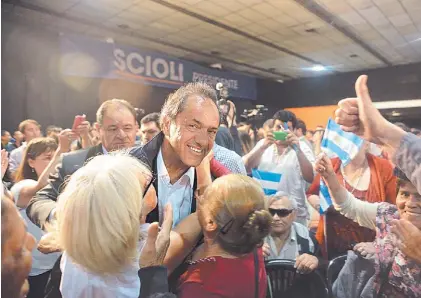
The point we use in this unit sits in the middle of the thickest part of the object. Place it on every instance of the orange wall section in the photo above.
(314, 116)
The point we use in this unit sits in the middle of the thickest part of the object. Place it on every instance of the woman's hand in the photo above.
(324, 166)
(65, 139)
(410, 238)
(157, 242)
(365, 249)
(149, 203)
(49, 243)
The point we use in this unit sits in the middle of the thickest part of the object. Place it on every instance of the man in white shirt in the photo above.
(290, 158)
(30, 130)
(189, 120)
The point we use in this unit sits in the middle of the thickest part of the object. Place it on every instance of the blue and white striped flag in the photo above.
(325, 199)
(268, 180)
(343, 144)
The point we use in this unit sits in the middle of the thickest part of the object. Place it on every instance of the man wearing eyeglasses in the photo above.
(116, 124)
(288, 239)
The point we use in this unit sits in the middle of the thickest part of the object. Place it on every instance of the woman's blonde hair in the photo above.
(98, 213)
(237, 204)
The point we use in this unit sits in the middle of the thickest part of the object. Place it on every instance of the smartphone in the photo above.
(280, 135)
(78, 121)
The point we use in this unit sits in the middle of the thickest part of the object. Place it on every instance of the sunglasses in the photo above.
(280, 212)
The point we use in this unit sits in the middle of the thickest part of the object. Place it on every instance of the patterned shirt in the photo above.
(231, 160)
(404, 278)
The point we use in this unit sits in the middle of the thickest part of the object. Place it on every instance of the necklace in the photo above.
(360, 174)
(276, 155)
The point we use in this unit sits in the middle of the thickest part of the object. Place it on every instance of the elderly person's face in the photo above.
(16, 254)
(192, 133)
(283, 215)
(408, 202)
(118, 130)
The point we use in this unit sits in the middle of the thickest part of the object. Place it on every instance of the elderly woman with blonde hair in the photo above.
(99, 228)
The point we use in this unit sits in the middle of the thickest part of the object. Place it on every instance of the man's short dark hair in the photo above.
(286, 116)
(301, 124)
(152, 117)
(3, 132)
(176, 101)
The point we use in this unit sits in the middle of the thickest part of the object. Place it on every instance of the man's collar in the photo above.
(162, 169)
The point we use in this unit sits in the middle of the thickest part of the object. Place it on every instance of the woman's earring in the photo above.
(33, 171)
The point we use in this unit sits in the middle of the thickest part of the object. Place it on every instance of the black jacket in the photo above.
(44, 201)
(148, 154)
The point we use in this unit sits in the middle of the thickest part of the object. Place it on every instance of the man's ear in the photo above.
(166, 125)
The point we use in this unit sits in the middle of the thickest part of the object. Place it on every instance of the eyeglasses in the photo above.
(280, 212)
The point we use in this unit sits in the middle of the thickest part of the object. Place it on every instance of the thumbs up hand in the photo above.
(358, 115)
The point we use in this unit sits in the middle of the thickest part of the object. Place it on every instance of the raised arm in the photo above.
(252, 159)
(183, 239)
(363, 213)
(305, 165)
(360, 116)
(27, 192)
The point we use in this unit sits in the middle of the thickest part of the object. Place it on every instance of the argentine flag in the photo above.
(268, 180)
(344, 145)
(324, 195)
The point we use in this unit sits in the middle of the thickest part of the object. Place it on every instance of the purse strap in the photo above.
(256, 274)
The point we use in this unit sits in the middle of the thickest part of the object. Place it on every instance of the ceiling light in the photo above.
(109, 40)
(318, 67)
(216, 65)
(395, 114)
(280, 81)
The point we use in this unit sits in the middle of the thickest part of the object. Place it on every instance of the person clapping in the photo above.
(398, 269)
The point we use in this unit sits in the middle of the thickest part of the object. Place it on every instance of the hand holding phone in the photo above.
(78, 121)
(280, 135)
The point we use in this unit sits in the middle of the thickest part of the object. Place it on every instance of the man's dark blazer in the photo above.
(148, 154)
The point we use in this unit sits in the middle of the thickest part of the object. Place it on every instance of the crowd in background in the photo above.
(114, 207)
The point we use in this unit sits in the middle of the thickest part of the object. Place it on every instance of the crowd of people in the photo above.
(168, 207)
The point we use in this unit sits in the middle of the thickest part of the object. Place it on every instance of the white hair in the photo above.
(283, 194)
(99, 211)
